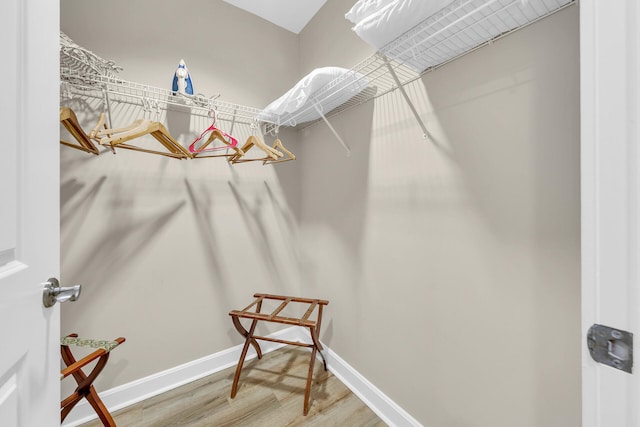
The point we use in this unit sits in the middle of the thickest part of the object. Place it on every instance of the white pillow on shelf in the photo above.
(396, 18)
(364, 8)
(297, 105)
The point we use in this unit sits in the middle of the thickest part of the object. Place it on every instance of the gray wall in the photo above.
(165, 248)
(452, 265)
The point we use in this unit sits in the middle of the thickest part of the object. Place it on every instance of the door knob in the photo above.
(53, 293)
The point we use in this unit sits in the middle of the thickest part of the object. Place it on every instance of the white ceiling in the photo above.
(292, 15)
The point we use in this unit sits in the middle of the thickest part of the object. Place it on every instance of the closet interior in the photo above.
(443, 226)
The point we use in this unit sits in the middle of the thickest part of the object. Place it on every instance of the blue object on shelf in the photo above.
(182, 80)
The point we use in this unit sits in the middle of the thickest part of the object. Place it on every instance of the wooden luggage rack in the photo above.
(85, 388)
(304, 321)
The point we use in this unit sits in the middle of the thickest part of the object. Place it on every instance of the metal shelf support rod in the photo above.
(425, 132)
(335, 133)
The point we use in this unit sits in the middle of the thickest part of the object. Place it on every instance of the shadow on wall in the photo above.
(335, 184)
(290, 174)
(125, 238)
(253, 214)
(519, 134)
(519, 156)
(202, 204)
(123, 232)
(73, 213)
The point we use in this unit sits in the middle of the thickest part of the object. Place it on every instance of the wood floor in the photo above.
(270, 394)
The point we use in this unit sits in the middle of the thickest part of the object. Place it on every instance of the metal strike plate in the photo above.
(611, 347)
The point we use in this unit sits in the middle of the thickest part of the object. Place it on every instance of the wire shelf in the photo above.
(461, 27)
(464, 25)
(83, 73)
(113, 89)
(81, 60)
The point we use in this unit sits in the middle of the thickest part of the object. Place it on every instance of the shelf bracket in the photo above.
(425, 132)
(233, 120)
(106, 105)
(335, 133)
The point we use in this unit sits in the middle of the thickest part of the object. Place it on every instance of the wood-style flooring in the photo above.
(270, 394)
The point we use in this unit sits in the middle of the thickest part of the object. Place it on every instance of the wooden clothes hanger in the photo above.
(254, 141)
(70, 121)
(116, 138)
(277, 144)
(96, 130)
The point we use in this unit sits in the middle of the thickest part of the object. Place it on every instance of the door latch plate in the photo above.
(611, 347)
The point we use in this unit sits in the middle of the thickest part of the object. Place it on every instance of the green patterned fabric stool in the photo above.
(85, 387)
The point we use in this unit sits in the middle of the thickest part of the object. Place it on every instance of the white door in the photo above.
(610, 99)
(29, 213)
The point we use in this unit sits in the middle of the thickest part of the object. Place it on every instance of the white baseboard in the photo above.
(144, 388)
(376, 400)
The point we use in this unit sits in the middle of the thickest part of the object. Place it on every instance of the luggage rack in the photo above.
(275, 317)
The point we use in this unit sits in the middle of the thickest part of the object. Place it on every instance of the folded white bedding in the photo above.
(297, 105)
(365, 8)
(395, 18)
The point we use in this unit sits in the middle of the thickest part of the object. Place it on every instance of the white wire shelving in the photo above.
(460, 28)
(463, 26)
(115, 90)
(83, 73)
(78, 59)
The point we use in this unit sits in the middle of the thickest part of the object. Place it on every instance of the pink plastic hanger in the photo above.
(214, 133)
